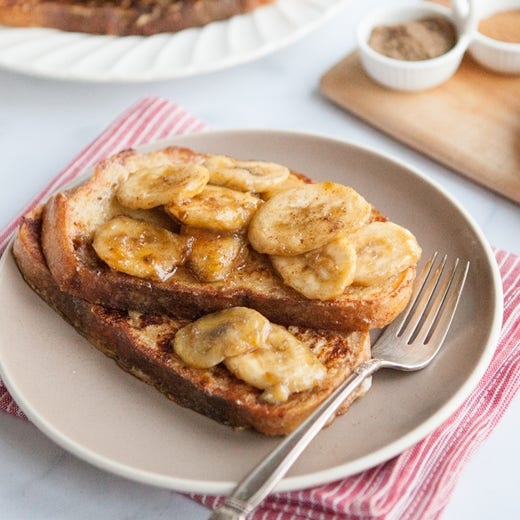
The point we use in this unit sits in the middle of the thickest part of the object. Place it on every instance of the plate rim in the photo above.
(315, 478)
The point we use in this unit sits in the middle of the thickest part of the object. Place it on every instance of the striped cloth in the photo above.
(416, 485)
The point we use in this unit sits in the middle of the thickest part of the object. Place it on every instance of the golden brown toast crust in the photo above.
(71, 218)
(141, 344)
(121, 17)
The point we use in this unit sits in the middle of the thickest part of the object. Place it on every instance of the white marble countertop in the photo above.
(44, 123)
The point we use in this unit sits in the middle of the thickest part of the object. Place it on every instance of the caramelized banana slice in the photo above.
(322, 273)
(383, 249)
(150, 187)
(209, 340)
(213, 257)
(216, 208)
(301, 219)
(254, 176)
(139, 248)
(293, 181)
(283, 366)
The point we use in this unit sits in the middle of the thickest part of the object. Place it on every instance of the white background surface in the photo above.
(44, 124)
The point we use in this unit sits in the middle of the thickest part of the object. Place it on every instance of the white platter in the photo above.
(86, 404)
(76, 56)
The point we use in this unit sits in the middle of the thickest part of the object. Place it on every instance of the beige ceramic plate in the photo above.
(86, 404)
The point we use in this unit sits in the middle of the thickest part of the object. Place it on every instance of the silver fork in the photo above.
(409, 343)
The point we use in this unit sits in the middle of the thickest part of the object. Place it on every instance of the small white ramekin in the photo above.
(411, 75)
(495, 55)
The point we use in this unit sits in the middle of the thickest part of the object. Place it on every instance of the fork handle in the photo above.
(262, 479)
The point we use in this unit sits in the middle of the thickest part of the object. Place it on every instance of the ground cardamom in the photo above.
(415, 40)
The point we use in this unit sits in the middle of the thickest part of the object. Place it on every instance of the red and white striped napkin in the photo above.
(415, 485)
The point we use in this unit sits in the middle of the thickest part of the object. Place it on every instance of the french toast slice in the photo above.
(141, 345)
(72, 218)
(121, 17)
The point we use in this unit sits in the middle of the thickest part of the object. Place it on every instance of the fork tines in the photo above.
(434, 300)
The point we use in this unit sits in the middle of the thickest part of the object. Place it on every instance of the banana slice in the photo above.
(322, 273)
(211, 339)
(254, 176)
(213, 257)
(293, 181)
(282, 366)
(140, 248)
(301, 219)
(150, 187)
(383, 249)
(216, 208)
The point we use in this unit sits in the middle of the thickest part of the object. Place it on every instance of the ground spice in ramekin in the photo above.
(503, 26)
(416, 40)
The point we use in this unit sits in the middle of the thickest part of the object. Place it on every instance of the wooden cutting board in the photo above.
(471, 123)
